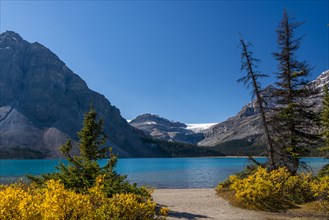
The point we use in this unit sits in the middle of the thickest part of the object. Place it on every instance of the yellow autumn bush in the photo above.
(121, 206)
(273, 190)
(126, 206)
(320, 189)
(59, 203)
(19, 201)
(16, 203)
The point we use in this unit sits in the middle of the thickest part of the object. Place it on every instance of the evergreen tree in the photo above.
(249, 64)
(325, 125)
(293, 119)
(81, 171)
(325, 120)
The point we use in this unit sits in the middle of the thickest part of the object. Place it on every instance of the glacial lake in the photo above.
(155, 172)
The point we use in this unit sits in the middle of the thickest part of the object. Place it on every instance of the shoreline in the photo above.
(202, 204)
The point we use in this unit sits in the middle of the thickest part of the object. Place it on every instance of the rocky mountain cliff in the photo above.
(43, 102)
(321, 81)
(245, 127)
(164, 129)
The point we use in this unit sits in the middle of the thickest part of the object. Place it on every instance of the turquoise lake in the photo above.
(155, 172)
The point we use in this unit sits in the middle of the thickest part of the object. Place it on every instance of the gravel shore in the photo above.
(202, 204)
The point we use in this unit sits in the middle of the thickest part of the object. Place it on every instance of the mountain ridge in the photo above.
(164, 129)
(43, 101)
(244, 128)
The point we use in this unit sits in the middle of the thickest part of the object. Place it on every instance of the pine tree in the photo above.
(249, 64)
(293, 119)
(325, 120)
(81, 171)
(324, 171)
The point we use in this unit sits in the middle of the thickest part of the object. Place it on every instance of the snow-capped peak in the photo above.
(321, 80)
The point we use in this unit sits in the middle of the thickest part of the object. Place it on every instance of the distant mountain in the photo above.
(244, 129)
(163, 129)
(245, 126)
(239, 135)
(42, 104)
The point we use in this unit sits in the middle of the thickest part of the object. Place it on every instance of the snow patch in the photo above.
(145, 123)
(150, 123)
(199, 127)
(321, 80)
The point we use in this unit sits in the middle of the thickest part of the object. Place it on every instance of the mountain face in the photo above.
(43, 102)
(164, 129)
(245, 127)
(238, 135)
(321, 81)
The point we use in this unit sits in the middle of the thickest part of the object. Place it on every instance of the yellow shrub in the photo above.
(164, 211)
(120, 206)
(271, 190)
(297, 188)
(126, 206)
(11, 198)
(20, 201)
(320, 188)
(25, 202)
(59, 203)
(29, 205)
(97, 196)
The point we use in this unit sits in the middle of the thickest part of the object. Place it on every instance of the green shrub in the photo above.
(324, 171)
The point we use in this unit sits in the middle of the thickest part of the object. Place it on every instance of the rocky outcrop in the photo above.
(321, 81)
(43, 102)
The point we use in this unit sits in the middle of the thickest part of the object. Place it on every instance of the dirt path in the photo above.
(202, 204)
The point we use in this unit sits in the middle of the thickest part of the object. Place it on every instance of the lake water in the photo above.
(155, 172)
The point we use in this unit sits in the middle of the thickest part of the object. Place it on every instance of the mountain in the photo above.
(239, 135)
(244, 129)
(42, 104)
(163, 129)
(245, 126)
(321, 81)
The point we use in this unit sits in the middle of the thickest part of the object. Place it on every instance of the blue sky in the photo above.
(178, 59)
